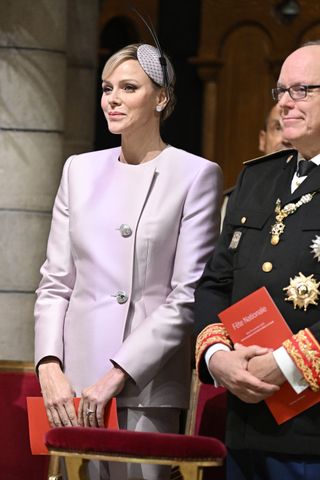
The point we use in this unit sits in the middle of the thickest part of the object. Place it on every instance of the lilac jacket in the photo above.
(126, 248)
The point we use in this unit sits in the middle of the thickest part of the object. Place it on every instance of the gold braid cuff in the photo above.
(212, 334)
(304, 350)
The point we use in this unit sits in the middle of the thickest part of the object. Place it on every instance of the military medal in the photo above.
(278, 227)
(302, 291)
(315, 247)
(235, 240)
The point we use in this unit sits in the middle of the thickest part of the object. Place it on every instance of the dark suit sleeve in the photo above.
(213, 293)
(214, 290)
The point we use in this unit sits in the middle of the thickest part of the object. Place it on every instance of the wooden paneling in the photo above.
(242, 46)
(119, 8)
(242, 101)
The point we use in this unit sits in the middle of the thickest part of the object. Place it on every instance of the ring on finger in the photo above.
(89, 412)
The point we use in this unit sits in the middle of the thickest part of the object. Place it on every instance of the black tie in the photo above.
(305, 167)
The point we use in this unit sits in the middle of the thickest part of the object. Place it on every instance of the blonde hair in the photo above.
(130, 53)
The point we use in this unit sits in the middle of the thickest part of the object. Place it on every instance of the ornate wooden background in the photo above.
(235, 48)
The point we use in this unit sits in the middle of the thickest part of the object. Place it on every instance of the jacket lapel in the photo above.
(285, 178)
(138, 188)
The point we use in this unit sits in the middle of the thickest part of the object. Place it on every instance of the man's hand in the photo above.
(266, 369)
(57, 394)
(95, 397)
(231, 370)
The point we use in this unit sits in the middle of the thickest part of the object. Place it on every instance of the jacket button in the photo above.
(267, 266)
(243, 220)
(122, 297)
(125, 230)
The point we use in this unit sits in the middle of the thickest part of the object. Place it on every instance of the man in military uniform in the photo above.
(271, 238)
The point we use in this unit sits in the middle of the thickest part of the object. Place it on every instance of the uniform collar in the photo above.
(310, 184)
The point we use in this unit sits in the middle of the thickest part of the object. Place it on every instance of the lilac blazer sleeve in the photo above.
(57, 280)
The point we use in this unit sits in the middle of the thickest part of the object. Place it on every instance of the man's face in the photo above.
(271, 139)
(301, 118)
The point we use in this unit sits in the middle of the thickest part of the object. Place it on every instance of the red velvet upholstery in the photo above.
(211, 412)
(211, 421)
(134, 443)
(16, 461)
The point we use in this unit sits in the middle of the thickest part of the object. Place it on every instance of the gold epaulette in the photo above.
(280, 153)
(304, 350)
(214, 333)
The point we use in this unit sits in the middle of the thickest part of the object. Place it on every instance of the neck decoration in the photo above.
(278, 227)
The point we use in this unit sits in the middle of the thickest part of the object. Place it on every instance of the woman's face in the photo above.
(129, 99)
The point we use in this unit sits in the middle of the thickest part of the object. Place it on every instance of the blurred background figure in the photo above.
(271, 140)
(271, 137)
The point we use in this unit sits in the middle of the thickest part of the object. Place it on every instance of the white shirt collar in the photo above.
(315, 159)
(296, 181)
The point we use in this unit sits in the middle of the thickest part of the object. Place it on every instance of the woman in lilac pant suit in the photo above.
(132, 229)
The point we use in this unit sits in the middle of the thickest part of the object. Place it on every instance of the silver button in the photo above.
(122, 297)
(125, 230)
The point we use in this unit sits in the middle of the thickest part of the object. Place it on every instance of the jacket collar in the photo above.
(310, 184)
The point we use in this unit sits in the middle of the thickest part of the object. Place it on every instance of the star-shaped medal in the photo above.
(315, 247)
(302, 291)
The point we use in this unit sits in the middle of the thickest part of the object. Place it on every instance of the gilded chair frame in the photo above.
(190, 470)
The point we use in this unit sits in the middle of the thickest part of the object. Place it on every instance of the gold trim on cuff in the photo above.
(212, 334)
(304, 350)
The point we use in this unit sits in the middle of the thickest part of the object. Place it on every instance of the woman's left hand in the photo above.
(95, 397)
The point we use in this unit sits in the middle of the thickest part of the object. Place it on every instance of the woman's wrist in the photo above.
(48, 362)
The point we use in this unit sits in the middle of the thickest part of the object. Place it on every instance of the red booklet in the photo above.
(256, 320)
(39, 424)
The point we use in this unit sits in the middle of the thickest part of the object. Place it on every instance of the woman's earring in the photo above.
(159, 108)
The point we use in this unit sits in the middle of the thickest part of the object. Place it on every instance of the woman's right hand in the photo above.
(57, 394)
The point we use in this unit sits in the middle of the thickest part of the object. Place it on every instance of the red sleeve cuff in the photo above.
(212, 334)
(304, 350)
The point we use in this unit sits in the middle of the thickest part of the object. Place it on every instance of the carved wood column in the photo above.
(208, 70)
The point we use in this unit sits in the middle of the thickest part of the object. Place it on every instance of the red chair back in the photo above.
(17, 381)
(211, 421)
